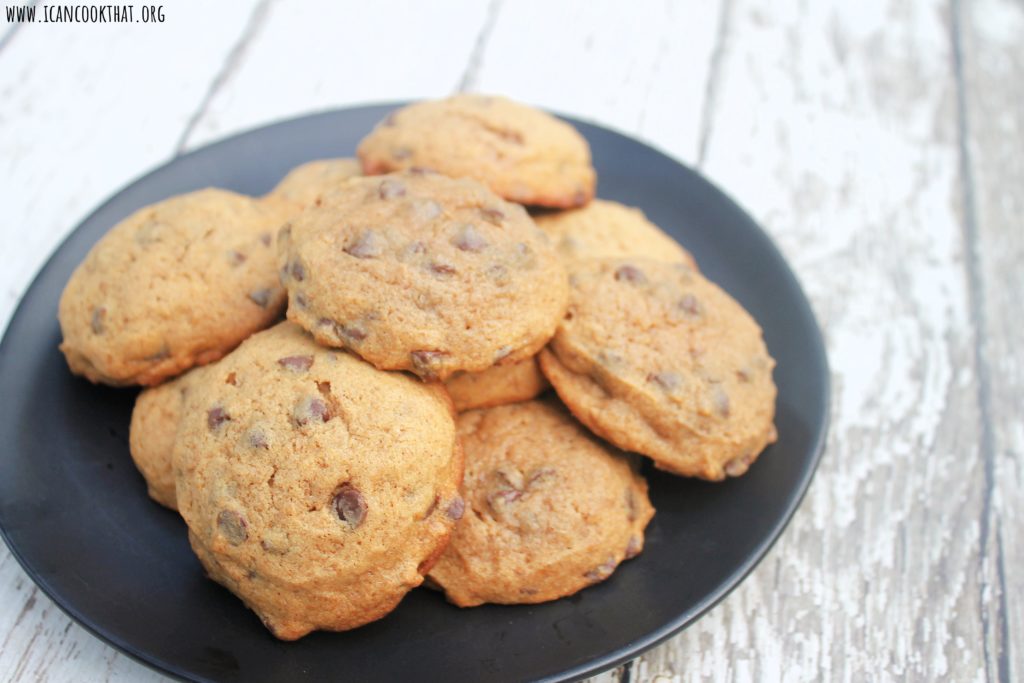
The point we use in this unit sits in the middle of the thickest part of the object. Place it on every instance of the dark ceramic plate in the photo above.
(75, 513)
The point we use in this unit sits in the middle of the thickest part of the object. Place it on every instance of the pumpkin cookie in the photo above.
(523, 154)
(176, 284)
(551, 509)
(422, 272)
(609, 229)
(315, 487)
(304, 184)
(154, 424)
(497, 385)
(658, 360)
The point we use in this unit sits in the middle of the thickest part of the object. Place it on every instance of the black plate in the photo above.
(74, 512)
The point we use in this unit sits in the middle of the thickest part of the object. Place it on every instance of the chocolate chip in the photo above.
(690, 305)
(511, 136)
(369, 244)
(353, 333)
(267, 238)
(349, 505)
(256, 438)
(468, 238)
(301, 301)
(579, 198)
(414, 248)
(424, 210)
(634, 547)
(456, 509)
(669, 381)
(215, 417)
(630, 274)
(163, 353)
(231, 379)
(260, 297)
(631, 505)
(296, 363)
(721, 400)
(492, 215)
(310, 409)
(739, 464)
(400, 153)
(424, 363)
(298, 271)
(233, 526)
(421, 170)
(99, 315)
(744, 374)
(524, 256)
(498, 274)
(391, 189)
(442, 268)
(236, 258)
(602, 571)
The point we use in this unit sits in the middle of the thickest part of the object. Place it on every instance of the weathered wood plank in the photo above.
(990, 34)
(311, 56)
(834, 123)
(641, 68)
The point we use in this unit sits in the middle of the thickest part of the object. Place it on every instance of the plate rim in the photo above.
(628, 652)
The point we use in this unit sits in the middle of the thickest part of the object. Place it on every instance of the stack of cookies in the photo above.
(395, 427)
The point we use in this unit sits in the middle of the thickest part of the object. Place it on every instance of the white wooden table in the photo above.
(881, 143)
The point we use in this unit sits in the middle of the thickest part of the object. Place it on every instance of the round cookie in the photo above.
(315, 487)
(497, 385)
(551, 509)
(176, 284)
(604, 229)
(154, 425)
(422, 272)
(658, 360)
(306, 183)
(523, 154)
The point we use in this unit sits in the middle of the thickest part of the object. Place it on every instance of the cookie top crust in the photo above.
(521, 153)
(304, 184)
(658, 360)
(421, 272)
(176, 284)
(154, 425)
(606, 229)
(551, 509)
(315, 487)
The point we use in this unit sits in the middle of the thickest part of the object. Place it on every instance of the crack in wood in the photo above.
(13, 30)
(470, 75)
(707, 113)
(231, 63)
(995, 636)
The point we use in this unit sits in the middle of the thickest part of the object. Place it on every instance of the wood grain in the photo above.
(880, 143)
(991, 70)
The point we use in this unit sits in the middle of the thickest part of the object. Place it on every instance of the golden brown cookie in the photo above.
(658, 360)
(304, 184)
(315, 487)
(608, 229)
(497, 385)
(154, 424)
(523, 154)
(176, 284)
(551, 509)
(421, 272)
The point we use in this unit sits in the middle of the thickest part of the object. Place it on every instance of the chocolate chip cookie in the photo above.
(608, 229)
(551, 509)
(497, 385)
(154, 424)
(658, 360)
(304, 184)
(315, 487)
(523, 154)
(421, 272)
(176, 284)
